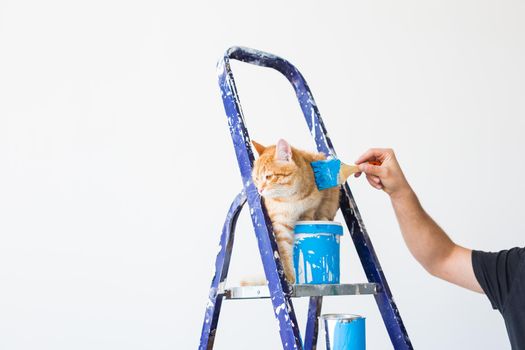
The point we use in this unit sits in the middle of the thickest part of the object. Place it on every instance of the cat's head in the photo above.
(275, 173)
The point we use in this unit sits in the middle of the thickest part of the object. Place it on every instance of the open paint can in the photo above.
(344, 331)
(316, 252)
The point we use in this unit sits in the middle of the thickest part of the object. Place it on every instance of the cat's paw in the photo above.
(254, 281)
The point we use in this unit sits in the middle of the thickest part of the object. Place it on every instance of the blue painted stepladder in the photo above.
(278, 290)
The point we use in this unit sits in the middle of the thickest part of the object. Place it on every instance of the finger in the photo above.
(374, 184)
(373, 178)
(371, 154)
(370, 169)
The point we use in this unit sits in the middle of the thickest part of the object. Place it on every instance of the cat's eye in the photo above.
(269, 176)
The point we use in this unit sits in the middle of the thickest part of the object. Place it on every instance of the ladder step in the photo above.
(302, 290)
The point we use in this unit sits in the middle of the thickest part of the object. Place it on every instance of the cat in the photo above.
(285, 180)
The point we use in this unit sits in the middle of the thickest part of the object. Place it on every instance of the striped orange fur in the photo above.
(284, 178)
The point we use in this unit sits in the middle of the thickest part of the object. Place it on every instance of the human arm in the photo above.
(427, 242)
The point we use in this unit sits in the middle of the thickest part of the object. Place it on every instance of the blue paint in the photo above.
(344, 332)
(316, 252)
(326, 173)
(350, 335)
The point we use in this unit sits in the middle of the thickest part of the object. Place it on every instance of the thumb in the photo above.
(370, 169)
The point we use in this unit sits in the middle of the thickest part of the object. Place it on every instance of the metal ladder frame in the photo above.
(279, 290)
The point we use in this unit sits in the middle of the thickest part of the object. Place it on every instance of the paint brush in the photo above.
(332, 172)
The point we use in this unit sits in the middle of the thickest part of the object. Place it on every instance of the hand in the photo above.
(388, 176)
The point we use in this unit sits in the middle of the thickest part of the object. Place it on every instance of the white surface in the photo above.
(114, 144)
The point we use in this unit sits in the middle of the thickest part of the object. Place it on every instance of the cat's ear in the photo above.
(283, 151)
(258, 147)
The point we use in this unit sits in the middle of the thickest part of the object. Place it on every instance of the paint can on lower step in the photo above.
(344, 331)
(316, 252)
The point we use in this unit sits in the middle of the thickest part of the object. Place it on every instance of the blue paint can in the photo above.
(344, 332)
(316, 252)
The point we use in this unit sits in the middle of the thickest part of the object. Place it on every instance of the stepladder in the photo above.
(278, 290)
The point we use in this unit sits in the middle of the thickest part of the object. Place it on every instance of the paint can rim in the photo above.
(318, 227)
(344, 318)
(303, 235)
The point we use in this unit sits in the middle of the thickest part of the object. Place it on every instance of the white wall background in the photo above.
(116, 166)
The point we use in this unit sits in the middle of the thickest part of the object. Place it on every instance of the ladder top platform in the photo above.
(302, 290)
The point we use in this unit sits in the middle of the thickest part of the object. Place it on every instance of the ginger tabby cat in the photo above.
(284, 178)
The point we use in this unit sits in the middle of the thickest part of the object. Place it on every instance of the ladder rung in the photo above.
(302, 290)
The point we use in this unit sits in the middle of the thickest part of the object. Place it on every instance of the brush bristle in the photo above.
(326, 173)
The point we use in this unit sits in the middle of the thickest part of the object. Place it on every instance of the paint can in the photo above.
(316, 252)
(344, 331)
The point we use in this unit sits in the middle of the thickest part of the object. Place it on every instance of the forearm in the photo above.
(427, 242)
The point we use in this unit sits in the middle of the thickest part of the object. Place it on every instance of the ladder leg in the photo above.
(222, 263)
(279, 288)
(277, 284)
(384, 299)
(312, 325)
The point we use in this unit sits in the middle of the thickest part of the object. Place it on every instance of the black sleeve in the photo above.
(495, 273)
